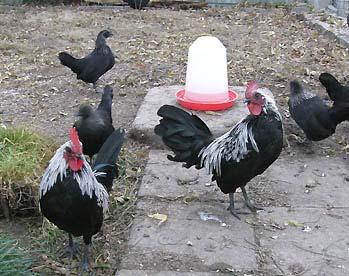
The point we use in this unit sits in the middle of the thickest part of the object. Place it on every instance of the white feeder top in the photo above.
(207, 78)
(207, 44)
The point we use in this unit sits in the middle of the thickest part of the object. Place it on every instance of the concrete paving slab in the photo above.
(168, 179)
(314, 243)
(195, 237)
(146, 119)
(306, 182)
(301, 182)
(161, 273)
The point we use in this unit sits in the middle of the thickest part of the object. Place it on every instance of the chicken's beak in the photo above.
(79, 156)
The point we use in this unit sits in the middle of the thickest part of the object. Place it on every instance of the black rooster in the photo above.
(95, 126)
(234, 158)
(314, 117)
(72, 195)
(90, 68)
(339, 94)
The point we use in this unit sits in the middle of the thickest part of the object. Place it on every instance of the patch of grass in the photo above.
(23, 153)
(13, 260)
(23, 157)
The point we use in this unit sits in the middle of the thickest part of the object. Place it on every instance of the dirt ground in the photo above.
(270, 45)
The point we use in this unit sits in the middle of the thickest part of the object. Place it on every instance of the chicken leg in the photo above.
(232, 209)
(71, 250)
(248, 202)
(95, 87)
(85, 263)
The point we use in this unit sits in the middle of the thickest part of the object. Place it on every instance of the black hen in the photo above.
(72, 195)
(339, 94)
(234, 158)
(95, 126)
(311, 113)
(90, 68)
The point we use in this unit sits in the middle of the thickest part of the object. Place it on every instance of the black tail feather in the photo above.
(295, 87)
(186, 134)
(339, 94)
(69, 61)
(106, 103)
(107, 157)
(332, 85)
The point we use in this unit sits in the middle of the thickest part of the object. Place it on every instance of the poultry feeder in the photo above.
(206, 85)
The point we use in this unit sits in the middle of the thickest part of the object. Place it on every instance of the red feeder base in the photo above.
(206, 106)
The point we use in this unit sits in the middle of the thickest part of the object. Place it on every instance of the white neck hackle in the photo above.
(85, 178)
(233, 144)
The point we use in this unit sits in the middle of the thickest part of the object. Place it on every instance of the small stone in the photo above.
(189, 243)
(306, 229)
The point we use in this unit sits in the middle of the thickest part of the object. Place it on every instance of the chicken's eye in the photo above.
(68, 150)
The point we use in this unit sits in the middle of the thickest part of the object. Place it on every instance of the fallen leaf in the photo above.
(213, 113)
(160, 217)
(293, 223)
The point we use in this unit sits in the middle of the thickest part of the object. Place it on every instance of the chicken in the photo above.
(339, 94)
(95, 126)
(311, 113)
(72, 195)
(90, 68)
(234, 158)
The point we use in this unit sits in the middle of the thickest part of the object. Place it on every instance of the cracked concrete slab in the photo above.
(143, 126)
(195, 237)
(307, 181)
(306, 241)
(167, 179)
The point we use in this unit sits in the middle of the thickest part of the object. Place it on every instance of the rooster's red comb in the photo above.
(251, 87)
(74, 138)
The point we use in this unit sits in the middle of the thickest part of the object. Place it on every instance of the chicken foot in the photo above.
(248, 203)
(232, 209)
(71, 250)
